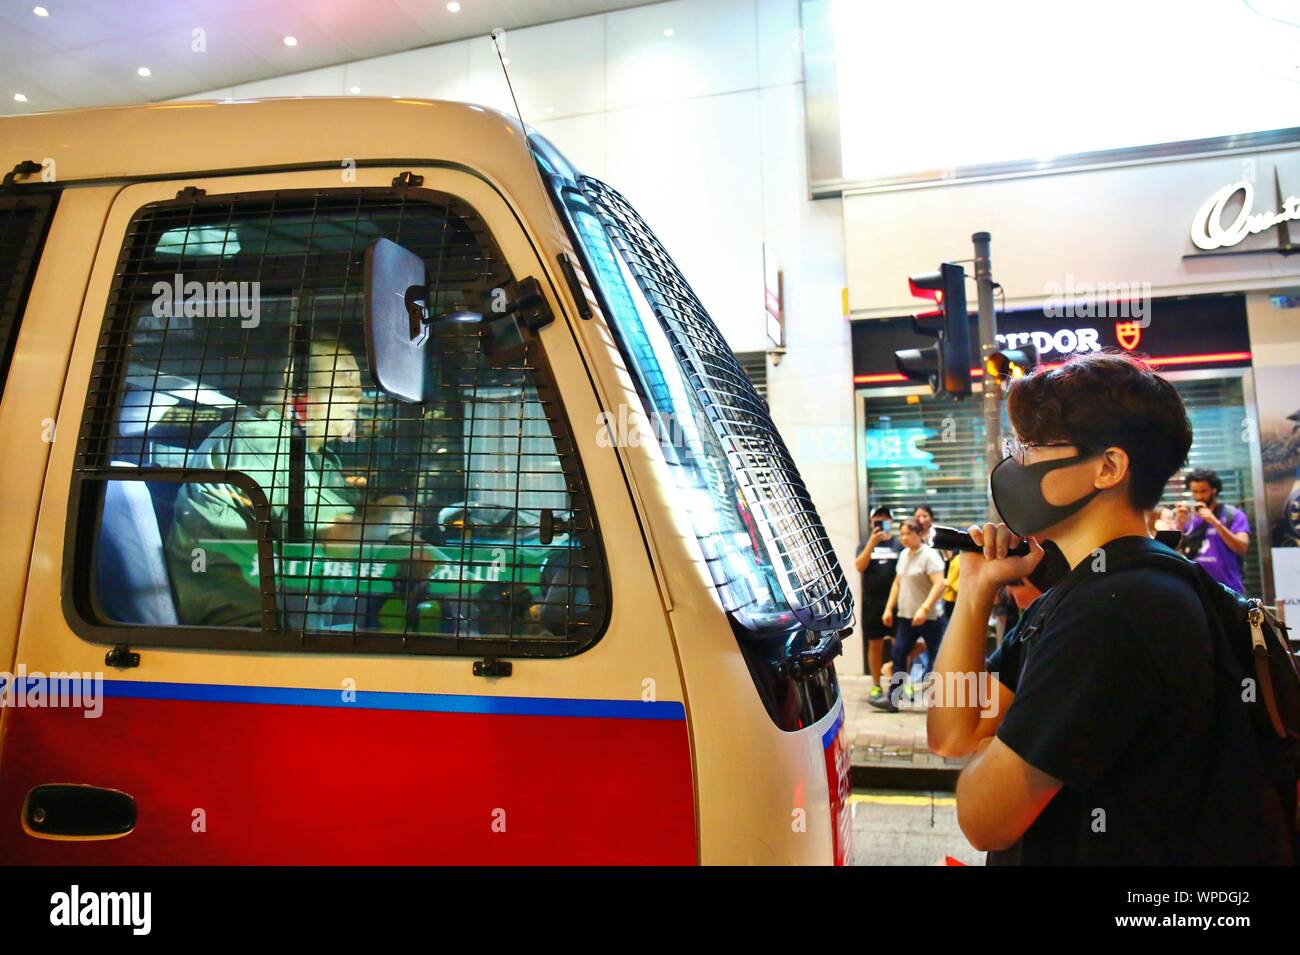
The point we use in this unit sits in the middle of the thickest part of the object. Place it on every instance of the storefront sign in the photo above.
(899, 448)
(1200, 332)
(1213, 228)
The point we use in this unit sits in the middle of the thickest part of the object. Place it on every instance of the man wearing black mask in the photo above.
(1097, 731)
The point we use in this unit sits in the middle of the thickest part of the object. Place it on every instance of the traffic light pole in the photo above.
(988, 328)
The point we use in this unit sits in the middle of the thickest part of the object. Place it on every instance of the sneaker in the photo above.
(882, 703)
(876, 693)
(909, 691)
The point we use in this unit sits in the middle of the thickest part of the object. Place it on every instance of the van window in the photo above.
(769, 555)
(232, 418)
(24, 221)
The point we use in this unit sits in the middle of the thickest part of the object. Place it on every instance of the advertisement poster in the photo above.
(1279, 426)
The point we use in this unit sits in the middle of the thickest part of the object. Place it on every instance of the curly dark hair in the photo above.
(1205, 474)
(1107, 399)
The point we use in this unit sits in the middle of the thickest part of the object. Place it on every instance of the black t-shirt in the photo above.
(881, 568)
(1114, 696)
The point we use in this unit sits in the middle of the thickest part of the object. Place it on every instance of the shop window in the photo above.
(1216, 406)
(241, 481)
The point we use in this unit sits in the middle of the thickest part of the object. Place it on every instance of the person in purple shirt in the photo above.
(1217, 536)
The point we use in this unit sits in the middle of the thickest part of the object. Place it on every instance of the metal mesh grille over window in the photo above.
(234, 343)
(810, 576)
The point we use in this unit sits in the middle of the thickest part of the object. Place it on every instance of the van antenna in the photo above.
(497, 35)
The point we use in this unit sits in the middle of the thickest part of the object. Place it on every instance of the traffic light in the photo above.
(946, 364)
(1012, 362)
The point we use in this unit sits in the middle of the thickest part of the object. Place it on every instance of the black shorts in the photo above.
(872, 626)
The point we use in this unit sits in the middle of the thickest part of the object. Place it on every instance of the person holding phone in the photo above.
(877, 562)
(915, 594)
(1215, 535)
(1097, 737)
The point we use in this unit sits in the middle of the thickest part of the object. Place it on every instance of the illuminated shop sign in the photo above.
(1199, 332)
(1216, 228)
(899, 448)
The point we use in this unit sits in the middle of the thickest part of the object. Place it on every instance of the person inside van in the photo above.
(1097, 735)
(216, 591)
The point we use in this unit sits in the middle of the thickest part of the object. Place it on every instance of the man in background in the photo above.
(1217, 536)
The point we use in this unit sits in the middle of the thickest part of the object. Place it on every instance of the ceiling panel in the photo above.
(86, 52)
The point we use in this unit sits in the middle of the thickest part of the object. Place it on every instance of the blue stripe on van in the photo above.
(381, 700)
(829, 736)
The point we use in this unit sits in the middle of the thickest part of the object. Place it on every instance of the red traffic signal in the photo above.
(945, 365)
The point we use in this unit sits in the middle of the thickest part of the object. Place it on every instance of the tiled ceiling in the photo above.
(88, 52)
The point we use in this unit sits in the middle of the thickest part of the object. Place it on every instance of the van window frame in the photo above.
(45, 201)
(838, 600)
(85, 504)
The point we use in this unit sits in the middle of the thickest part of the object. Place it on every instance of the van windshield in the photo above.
(768, 554)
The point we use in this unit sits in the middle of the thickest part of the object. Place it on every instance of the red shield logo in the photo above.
(1128, 334)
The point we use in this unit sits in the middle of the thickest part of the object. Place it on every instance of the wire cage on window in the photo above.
(796, 543)
(234, 345)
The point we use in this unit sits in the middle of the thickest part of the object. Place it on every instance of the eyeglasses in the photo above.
(1015, 449)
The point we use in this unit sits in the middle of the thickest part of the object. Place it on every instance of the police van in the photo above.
(378, 491)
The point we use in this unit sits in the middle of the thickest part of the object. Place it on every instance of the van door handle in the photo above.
(77, 811)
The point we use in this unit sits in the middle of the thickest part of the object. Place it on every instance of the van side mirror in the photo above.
(399, 324)
(396, 312)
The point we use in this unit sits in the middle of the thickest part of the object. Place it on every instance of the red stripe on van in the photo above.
(321, 785)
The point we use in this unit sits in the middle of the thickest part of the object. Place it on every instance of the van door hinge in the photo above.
(493, 667)
(191, 192)
(121, 658)
(407, 180)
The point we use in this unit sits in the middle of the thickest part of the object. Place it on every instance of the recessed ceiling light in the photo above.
(453, 7)
(291, 41)
(20, 98)
(40, 11)
(505, 60)
(144, 71)
(669, 32)
(550, 109)
(354, 90)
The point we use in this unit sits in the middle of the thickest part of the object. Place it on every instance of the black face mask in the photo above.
(1017, 491)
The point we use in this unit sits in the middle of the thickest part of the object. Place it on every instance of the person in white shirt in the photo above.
(918, 585)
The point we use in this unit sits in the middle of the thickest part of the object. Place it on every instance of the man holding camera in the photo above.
(1096, 735)
(1217, 535)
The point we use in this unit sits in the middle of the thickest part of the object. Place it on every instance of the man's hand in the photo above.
(1205, 514)
(920, 617)
(992, 568)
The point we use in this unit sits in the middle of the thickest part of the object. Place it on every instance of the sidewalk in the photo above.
(889, 749)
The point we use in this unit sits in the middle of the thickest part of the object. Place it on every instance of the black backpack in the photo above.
(1257, 698)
